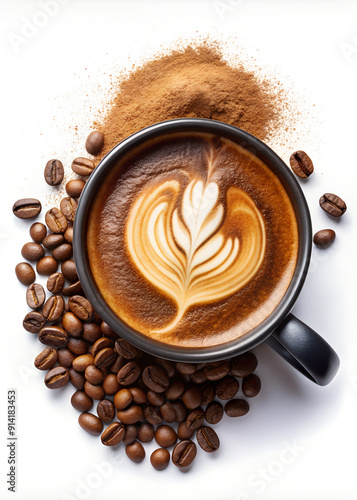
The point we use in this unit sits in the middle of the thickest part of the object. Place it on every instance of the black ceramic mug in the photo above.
(301, 346)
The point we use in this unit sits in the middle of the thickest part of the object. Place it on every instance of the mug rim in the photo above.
(262, 331)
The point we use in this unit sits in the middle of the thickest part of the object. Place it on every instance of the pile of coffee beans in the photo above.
(137, 398)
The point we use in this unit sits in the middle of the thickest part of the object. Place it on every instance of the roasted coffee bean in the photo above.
(94, 142)
(46, 266)
(56, 221)
(65, 357)
(81, 363)
(81, 307)
(105, 358)
(100, 344)
(111, 385)
(38, 232)
(186, 368)
(168, 412)
(160, 458)
(81, 401)
(68, 269)
(301, 164)
(236, 408)
(217, 370)
(243, 365)
(139, 396)
(251, 386)
(62, 252)
(90, 423)
(77, 346)
(227, 387)
(167, 365)
(46, 359)
(55, 283)
(183, 432)
(91, 332)
(53, 336)
(57, 377)
(68, 207)
(35, 296)
(75, 187)
(53, 308)
(32, 251)
(131, 433)
(146, 432)
(54, 172)
(324, 238)
(155, 378)
(130, 415)
(26, 208)
(155, 398)
(72, 324)
(184, 453)
(129, 373)
(135, 452)
(214, 412)
(117, 365)
(176, 388)
(83, 166)
(73, 289)
(106, 410)
(52, 241)
(68, 235)
(192, 397)
(333, 204)
(95, 392)
(195, 418)
(165, 436)
(92, 373)
(113, 434)
(125, 349)
(180, 411)
(25, 273)
(199, 376)
(34, 321)
(152, 414)
(77, 379)
(107, 331)
(207, 439)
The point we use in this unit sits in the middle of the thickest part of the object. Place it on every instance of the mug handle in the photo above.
(305, 350)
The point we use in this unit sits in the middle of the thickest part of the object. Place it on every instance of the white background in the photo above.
(50, 82)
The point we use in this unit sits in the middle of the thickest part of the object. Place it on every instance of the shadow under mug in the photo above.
(296, 342)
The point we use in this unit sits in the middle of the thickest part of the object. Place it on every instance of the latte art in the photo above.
(187, 253)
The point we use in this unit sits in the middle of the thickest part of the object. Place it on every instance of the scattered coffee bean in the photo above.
(167, 365)
(53, 308)
(68, 207)
(33, 322)
(77, 379)
(52, 241)
(106, 410)
(32, 251)
(195, 418)
(46, 359)
(186, 368)
(155, 378)
(130, 415)
(176, 388)
(184, 453)
(333, 204)
(301, 164)
(168, 412)
(94, 142)
(77, 346)
(180, 411)
(54, 172)
(92, 373)
(100, 344)
(90, 423)
(111, 385)
(91, 332)
(56, 221)
(214, 413)
(155, 398)
(62, 252)
(106, 357)
(135, 452)
(75, 187)
(236, 408)
(324, 238)
(25, 273)
(68, 235)
(139, 396)
(72, 324)
(208, 392)
(113, 434)
(46, 266)
(160, 459)
(108, 332)
(207, 439)
(73, 289)
(227, 387)
(183, 432)
(165, 436)
(81, 307)
(192, 397)
(243, 365)
(123, 348)
(129, 373)
(217, 370)
(35, 296)
(199, 376)
(251, 386)
(131, 434)
(83, 166)
(68, 269)
(57, 377)
(65, 357)
(26, 208)
(55, 283)
(95, 392)
(152, 414)
(38, 232)
(81, 362)
(81, 401)
(53, 336)
(146, 432)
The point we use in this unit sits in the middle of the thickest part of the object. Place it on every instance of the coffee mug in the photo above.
(296, 342)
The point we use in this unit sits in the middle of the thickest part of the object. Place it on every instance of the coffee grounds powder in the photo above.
(192, 82)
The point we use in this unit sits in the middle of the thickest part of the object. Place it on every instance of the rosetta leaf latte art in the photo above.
(191, 253)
